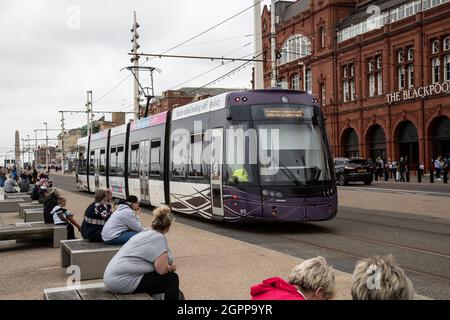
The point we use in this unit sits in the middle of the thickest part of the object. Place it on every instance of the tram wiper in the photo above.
(288, 173)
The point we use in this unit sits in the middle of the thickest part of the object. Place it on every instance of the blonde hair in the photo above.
(378, 279)
(62, 201)
(314, 274)
(55, 193)
(162, 218)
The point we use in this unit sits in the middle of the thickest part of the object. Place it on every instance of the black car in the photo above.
(352, 170)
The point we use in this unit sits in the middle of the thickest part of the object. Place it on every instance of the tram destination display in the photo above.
(279, 113)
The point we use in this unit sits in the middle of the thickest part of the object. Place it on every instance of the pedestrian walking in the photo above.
(394, 170)
(34, 175)
(438, 167)
(402, 169)
(421, 169)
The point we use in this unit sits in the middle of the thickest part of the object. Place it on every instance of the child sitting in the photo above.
(61, 216)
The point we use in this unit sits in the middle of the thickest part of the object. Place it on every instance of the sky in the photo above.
(53, 51)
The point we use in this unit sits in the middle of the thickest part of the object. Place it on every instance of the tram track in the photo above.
(418, 242)
(358, 257)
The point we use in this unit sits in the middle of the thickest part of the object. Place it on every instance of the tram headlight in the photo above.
(279, 195)
(266, 193)
(273, 194)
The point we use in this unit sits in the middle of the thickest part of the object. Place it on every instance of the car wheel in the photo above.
(342, 181)
(367, 182)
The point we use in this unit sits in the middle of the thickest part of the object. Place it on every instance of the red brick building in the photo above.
(381, 70)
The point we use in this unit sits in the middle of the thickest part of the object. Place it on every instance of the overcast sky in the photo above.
(48, 61)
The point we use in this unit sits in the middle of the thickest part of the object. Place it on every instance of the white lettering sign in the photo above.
(422, 92)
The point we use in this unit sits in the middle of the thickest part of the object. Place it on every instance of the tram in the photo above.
(245, 156)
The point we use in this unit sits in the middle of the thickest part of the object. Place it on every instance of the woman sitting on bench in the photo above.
(124, 223)
(145, 263)
(62, 216)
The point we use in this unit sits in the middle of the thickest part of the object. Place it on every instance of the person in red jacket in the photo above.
(313, 279)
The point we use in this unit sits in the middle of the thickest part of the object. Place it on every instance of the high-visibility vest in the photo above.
(241, 175)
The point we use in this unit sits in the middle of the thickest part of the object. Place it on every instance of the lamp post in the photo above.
(28, 149)
(46, 147)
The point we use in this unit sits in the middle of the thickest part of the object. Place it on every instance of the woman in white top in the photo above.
(62, 216)
(124, 223)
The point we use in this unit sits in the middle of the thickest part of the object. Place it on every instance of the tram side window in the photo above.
(120, 161)
(134, 161)
(155, 158)
(240, 155)
(180, 150)
(102, 161)
(196, 167)
(92, 162)
(113, 161)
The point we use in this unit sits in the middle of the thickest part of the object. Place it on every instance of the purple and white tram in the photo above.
(259, 155)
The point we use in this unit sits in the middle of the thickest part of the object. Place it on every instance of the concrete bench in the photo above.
(10, 205)
(28, 231)
(25, 196)
(34, 215)
(32, 205)
(92, 258)
(90, 292)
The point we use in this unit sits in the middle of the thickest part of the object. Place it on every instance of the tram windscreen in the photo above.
(292, 149)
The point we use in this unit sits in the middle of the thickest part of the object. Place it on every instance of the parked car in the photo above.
(352, 170)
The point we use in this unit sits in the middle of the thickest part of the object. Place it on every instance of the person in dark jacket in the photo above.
(42, 194)
(96, 216)
(34, 176)
(49, 203)
(24, 183)
(2, 177)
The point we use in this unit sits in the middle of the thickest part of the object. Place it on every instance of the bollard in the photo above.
(431, 176)
(419, 175)
(376, 175)
(407, 175)
(386, 175)
(445, 176)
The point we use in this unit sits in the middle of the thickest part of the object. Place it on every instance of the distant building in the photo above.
(174, 98)
(42, 154)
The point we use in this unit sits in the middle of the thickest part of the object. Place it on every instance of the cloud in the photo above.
(47, 64)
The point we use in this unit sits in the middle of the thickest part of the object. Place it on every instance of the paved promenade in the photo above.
(210, 265)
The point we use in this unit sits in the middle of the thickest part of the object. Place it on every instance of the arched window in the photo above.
(295, 47)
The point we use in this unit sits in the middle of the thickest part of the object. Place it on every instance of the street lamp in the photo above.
(46, 146)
